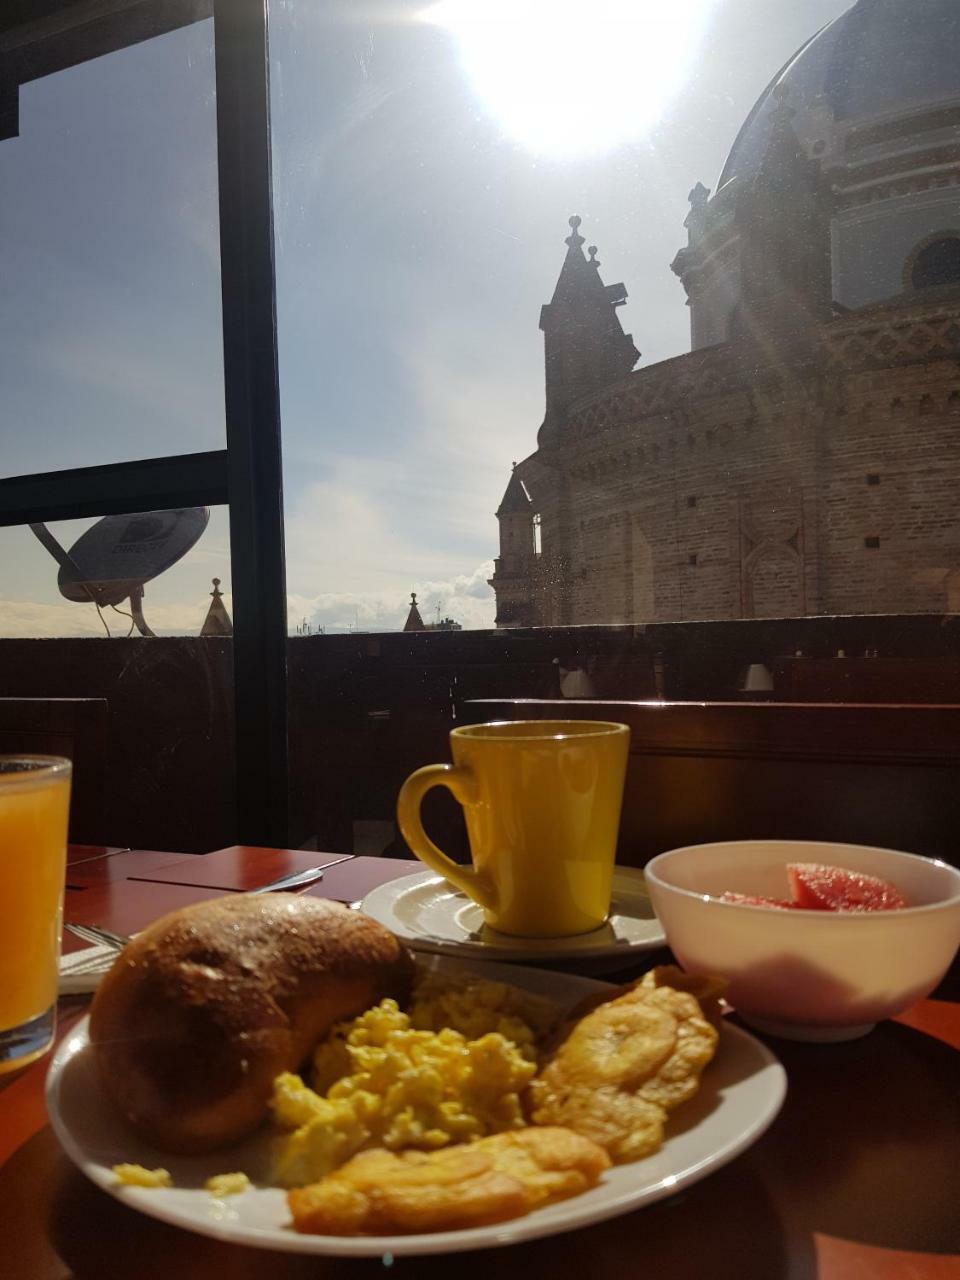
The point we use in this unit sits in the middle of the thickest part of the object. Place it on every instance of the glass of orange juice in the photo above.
(34, 807)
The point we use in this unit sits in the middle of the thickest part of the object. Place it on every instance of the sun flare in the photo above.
(568, 79)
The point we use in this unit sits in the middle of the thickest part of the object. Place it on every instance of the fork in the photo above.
(95, 934)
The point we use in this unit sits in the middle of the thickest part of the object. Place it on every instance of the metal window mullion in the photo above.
(151, 484)
(252, 400)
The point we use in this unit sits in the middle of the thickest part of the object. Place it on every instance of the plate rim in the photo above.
(498, 1235)
(390, 890)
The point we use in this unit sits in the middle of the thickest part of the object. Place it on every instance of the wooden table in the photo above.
(857, 1179)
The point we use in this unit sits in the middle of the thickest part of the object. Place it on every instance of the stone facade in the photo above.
(718, 486)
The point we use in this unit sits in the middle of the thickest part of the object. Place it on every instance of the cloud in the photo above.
(419, 512)
(464, 597)
(365, 529)
(479, 412)
(27, 619)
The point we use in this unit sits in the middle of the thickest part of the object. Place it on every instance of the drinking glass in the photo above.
(34, 808)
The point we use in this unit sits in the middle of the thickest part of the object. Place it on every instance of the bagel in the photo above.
(206, 1006)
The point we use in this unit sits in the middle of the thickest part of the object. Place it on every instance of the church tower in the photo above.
(515, 567)
(584, 345)
(585, 349)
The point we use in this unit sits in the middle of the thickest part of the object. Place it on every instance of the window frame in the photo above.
(247, 475)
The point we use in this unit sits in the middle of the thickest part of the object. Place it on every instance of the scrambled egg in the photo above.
(226, 1184)
(383, 1082)
(475, 1007)
(135, 1175)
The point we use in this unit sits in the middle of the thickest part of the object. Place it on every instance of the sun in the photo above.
(568, 79)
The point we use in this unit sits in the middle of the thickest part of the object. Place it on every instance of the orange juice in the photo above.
(34, 807)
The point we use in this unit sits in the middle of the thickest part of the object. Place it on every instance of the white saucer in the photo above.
(429, 914)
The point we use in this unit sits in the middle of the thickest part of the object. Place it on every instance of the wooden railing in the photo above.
(71, 727)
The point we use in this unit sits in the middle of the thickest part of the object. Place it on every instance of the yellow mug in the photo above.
(541, 799)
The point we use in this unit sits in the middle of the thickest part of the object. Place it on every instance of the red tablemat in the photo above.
(237, 868)
(128, 905)
(119, 866)
(84, 852)
(351, 880)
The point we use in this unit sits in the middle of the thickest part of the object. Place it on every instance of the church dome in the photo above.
(880, 59)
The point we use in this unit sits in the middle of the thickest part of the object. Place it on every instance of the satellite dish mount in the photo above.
(115, 557)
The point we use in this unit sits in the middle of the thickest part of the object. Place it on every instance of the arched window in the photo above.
(937, 263)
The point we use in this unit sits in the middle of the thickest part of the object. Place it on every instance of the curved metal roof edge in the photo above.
(725, 176)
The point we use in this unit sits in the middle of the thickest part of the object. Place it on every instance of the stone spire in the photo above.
(515, 500)
(217, 622)
(585, 347)
(414, 622)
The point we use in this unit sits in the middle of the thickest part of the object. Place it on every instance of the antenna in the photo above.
(116, 556)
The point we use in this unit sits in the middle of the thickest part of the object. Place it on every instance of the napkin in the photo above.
(81, 971)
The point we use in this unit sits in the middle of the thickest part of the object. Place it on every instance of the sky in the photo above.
(424, 169)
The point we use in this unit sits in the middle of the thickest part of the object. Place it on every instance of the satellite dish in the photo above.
(117, 555)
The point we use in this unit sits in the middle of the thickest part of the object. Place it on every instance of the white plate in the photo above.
(429, 914)
(742, 1091)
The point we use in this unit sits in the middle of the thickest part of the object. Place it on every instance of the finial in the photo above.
(696, 219)
(413, 597)
(592, 250)
(699, 196)
(513, 467)
(575, 239)
(217, 622)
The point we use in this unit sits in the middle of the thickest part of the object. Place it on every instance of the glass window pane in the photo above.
(110, 321)
(693, 404)
(176, 554)
(646, 315)
(148, 721)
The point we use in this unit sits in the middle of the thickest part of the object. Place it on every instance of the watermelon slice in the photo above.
(823, 888)
(748, 900)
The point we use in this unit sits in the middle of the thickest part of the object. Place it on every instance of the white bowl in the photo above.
(807, 975)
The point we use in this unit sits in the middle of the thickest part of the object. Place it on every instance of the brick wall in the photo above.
(729, 484)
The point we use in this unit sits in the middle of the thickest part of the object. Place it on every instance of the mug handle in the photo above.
(463, 786)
